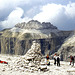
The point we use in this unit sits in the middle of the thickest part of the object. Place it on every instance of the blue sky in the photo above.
(60, 13)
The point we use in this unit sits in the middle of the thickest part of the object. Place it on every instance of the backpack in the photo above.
(72, 58)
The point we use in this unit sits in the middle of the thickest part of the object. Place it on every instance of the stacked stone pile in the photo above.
(31, 61)
(34, 53)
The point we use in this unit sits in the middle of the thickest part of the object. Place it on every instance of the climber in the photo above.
(55, 56)
(72, 60)
(47, 60)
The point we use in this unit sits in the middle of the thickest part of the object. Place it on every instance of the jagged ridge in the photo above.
(34, 24)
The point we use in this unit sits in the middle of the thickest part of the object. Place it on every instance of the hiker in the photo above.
(55, 56)
(58, 60)
(72, 60)
(47, 59)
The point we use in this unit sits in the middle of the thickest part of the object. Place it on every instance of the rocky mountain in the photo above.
(33, 29)
(68, 47)
(34, 24)
(18, 39)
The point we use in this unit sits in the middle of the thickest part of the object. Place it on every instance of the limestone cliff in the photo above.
(19, 39)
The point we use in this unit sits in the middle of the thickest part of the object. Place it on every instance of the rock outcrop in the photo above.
(68, 47)
(34, 24)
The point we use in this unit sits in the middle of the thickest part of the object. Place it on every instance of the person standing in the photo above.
(58, 60)
(72, 60)
(55, 56)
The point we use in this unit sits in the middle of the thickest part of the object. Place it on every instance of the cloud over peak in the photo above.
(14, 17)
(15, 11)
(61, 16)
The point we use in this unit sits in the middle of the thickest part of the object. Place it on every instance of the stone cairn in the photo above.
(32, 61)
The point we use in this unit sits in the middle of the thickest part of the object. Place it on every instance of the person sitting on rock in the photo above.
(72, 60)
(47, 59)
(58, 60)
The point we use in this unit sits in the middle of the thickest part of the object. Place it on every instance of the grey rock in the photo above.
(67, 48)
(34, 24)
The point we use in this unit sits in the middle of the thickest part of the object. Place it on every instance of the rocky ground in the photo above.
(10, 68)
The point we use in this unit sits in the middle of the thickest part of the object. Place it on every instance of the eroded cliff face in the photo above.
(18, 40)
(16, 46)
(68, 47)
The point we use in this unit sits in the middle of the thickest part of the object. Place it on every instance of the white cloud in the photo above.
(70, 10)
(61, 16)
(49, 12)
(17, 13)
(7, 6)
(14, 11)
(14, 18)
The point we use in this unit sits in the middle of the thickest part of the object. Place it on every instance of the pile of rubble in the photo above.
(32, 61)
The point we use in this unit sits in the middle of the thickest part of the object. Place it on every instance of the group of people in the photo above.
(56, 58)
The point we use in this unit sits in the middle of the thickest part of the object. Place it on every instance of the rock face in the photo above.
(18, 40)
(68, 47)
(15, 46)
(34, 24)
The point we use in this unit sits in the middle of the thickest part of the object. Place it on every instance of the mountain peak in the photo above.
(34, 24)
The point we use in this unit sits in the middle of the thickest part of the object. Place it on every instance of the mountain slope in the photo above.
(68, 47)
(70, 41)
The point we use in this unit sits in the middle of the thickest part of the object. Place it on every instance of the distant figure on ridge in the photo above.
(47, 59)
